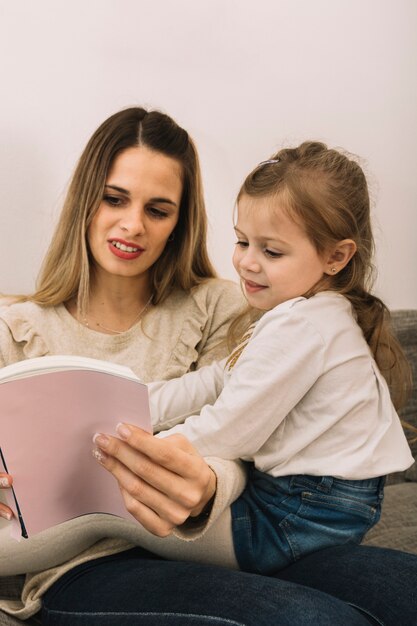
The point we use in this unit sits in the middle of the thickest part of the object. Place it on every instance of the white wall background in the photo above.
(242, 77)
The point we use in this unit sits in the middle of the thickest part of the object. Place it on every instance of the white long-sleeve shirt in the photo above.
(304, 397)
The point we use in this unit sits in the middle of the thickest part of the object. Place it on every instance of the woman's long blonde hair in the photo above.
(326, 191)
(66, 270)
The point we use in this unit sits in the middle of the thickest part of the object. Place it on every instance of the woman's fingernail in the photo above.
(4, 482)
(6, 515)
(99, 455)
(123, 430)
(101, 440)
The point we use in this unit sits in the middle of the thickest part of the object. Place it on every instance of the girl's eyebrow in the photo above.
(267, 238)
(270, 240)
(127, 193)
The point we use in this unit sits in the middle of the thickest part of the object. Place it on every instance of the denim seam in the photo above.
(208, 618)
(366, 612)
(297, 482)
(340, 503)
(287, 530)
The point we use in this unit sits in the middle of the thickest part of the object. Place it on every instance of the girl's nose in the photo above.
(249, 261)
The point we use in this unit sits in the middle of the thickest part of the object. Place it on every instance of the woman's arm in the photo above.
(162, 485)
(164, 482)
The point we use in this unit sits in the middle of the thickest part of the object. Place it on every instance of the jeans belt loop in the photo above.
(325, 484)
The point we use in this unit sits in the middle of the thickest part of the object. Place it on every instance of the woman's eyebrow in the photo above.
(120, 189)
(127, 193)
(164, 200)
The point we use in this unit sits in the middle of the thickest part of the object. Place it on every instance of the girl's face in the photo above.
(273, 256)
(139, 211)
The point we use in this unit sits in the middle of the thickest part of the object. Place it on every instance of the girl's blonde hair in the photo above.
(326, 191)
(184, 263)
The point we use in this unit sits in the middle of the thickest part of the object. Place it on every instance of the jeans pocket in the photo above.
(347, 516)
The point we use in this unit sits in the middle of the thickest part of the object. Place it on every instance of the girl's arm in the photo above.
(280, 364)
(172, 401)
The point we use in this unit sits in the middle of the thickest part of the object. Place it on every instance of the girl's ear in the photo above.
(339, 256)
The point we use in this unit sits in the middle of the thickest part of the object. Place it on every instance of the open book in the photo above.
(50, 408)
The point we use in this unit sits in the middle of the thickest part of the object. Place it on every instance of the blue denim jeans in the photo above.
(137, 588)
(277, 521)
(381, 583)
(349, 585)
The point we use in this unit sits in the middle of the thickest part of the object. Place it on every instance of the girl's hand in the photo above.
(5, 483)
(163, 481)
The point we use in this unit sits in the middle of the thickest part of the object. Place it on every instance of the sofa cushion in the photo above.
(10, 588)
(8, 620)
(397, 527)
(404, 324)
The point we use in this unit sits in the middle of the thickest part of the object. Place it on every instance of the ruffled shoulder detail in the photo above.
(186, 321)
(206, 316)
(216, 292)
(24, 321)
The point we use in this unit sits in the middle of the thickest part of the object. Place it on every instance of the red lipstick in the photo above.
(124, 249)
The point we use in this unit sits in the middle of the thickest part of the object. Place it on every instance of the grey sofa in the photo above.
(398, 525)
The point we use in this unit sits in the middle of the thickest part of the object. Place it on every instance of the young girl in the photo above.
(303, 398)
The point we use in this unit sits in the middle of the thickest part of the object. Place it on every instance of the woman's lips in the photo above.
(124, 249)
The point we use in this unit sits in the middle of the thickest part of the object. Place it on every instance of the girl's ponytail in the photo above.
(375, 321)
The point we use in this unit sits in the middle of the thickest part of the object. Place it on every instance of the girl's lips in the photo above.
(253, 287)
(124, 249)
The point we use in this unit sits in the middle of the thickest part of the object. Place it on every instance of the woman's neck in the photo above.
(114, 306)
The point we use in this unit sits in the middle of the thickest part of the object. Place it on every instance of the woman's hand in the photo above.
(163, 481)
(5, 483)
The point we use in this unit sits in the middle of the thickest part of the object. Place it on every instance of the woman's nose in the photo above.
(132, 221)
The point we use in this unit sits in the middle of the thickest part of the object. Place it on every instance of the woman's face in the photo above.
(139, 211)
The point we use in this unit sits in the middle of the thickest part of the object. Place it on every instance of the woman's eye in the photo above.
(272, 254)
(113, 200)
(242, 244)
(158, 213)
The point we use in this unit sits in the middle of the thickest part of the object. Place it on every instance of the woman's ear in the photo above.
(339, 256)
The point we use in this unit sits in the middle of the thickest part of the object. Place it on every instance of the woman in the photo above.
(127, 278)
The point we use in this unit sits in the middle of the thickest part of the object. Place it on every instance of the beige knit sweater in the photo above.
(184, 333)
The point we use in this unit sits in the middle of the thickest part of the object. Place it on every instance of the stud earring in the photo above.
(333, 270)
(172, 236)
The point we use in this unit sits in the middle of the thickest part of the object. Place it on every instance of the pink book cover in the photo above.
(47, 422)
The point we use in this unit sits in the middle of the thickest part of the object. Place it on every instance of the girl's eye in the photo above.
(160, 214)
(272, 254)
(114, 201)
(242, 244)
